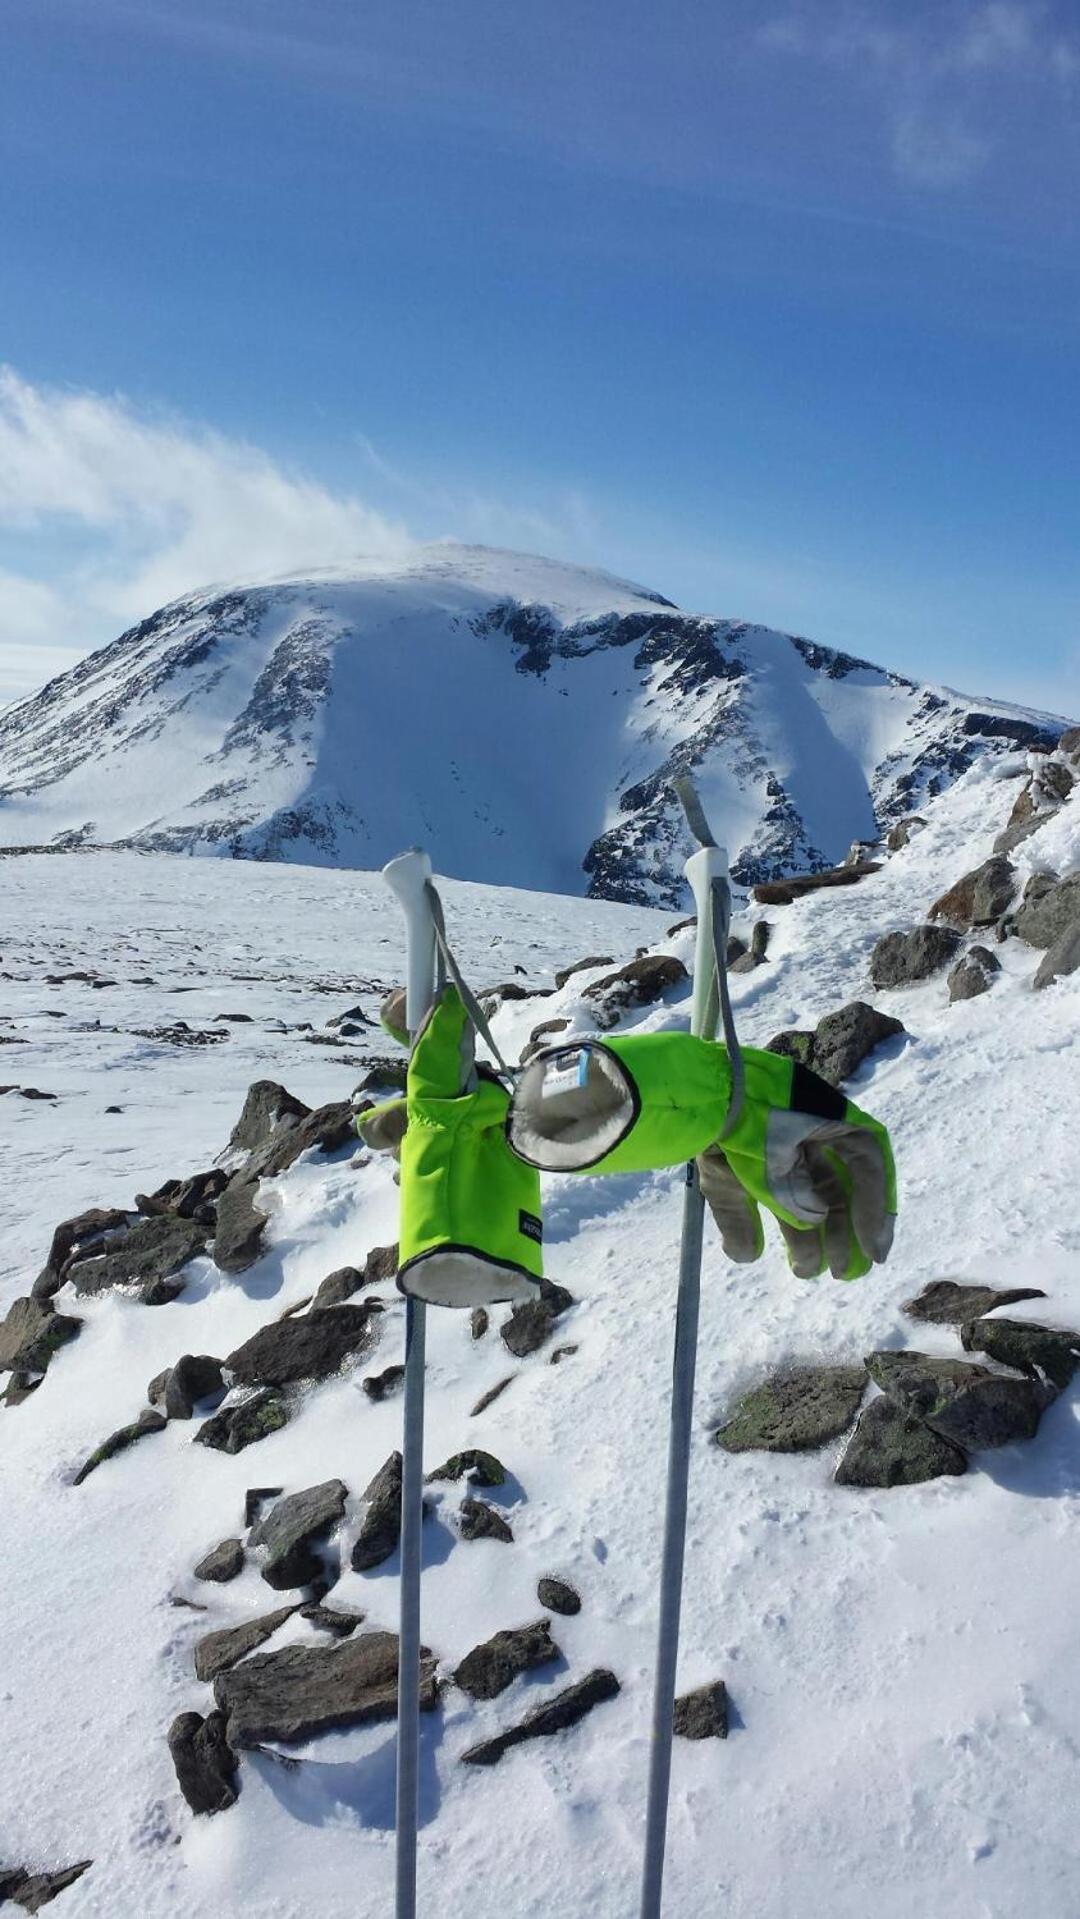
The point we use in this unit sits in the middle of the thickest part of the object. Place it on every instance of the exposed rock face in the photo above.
(566, 1709)
(32, 1333)
(290, 1530)
(945, 1302)
(641, 982)
(30, 1891)
(889, 1448)
(491, 1667)
(266, 1105)
(479, 1468)
(980, 897)
(964, 1404)
(795, 1411)
(241, 1223)
(217, 1651)
(148, 1257)
(193, 1198)
(557, 1596)
(223, 1562)
(302, 1690)
(1031, 1349)
(205, 1765)
(327, 1128)
(1050, 908)
(74, 1238)
(244, 1422)
(381, 1527)
(840, 1042)
(311, 1347)
(974, 974)
(481, 1521)
(1060, 959)
(118, 1442)
(703, 1713)
(900, 959)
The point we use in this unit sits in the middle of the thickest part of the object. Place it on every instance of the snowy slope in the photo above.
(527, 715)
(903, 1664)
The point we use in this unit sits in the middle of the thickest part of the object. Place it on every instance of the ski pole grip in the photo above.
(703, 869)
(407, 877)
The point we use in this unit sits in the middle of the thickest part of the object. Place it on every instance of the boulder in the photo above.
(30, 1891)
(481, 1521)
(379, 1386)
(148, 1257)
(291, 1530)
(241, 1223)
(337, 1287)
(641, 982)
(266, 1105)
(380, 1529)
(557, 1596)
(973, 974)
(222, 1563)
(531, 1324)
(195, 1376)
(980, 897)
(1060, 959)
(904, 831)
(784, 892)
(703, 1713)
(118, 1442)
(477, 1467)
(965, 1404)
(72, 1238)
(581, 966)
(326, 1129)
(312, 1347)
(794, 1042)
(217, 1651)
(31, 1333)
(555, 1715)
(496, 1663)
(945, 1302)
(900, 959)
(746, 960)
(889, 1448)
(1033, 1350)
(292, 1694)
(844, 1039)
(205, 1764)
(1050, 908)
(244, 1422)
(795, 1411)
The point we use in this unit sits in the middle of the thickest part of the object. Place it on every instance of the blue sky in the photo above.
(772, 308)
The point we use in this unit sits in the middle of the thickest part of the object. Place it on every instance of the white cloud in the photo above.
(936, 151)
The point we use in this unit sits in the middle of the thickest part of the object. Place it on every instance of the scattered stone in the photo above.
(899, 959)
(566, 1709)
(20, 1386)
(1033, 1350)
(1051, 907)
(561, 1353)
(888, 1448)
(945, 1302)
(299, 1691)
(245, 1422)
(255, 1498)
(379, 1386)
(904, 831)
(980, 897)
(195, 1376)
(32, 1890)
(840, 1042)
(746, 961)
(965, 1404)
(785, 892)
(291, 1529)
(337, 1287)
(266, 1105)
(581, 966)
(493, 1393)
(332, 1619)
(479, 1321)
(557, 1596)
(148, 1256)
(217, 1651)
(795, 1411)
(72, 1239)
(222, 1563)
(641, 982)
(31, 1333)
(381, 1527)
(179, 1033)
(477, 1467)
(703, 1713)
(327, 1128)
(309, 1348)
(531, 1324)
(1060, 959)
(973, 974)
(118, 1442)
(205, 1764)
(238, 1237)
(492, 1666)
(481, 1521)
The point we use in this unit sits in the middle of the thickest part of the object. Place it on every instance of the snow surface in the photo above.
(903, 1664)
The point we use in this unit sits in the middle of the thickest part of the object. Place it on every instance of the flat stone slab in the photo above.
(153, 1251)
(31, 1333)
(290, 1529)
(380, 1528)
(217, 1651)
(311, 1347)
(30, 1891)
(241, 1424)
(968, 1405)
(888, 1448)
(795, 1411)
(555, 1715)
(945, 1302)
(1031, 1349)
(496, 1663)
(222, 1563)
(303, 1690)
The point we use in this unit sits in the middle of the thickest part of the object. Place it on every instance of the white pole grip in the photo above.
(407, 877)
(708, 864)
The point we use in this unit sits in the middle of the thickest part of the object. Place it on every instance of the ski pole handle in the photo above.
(407, 877)
(703, 869)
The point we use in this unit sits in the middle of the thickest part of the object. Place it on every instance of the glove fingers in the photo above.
(805, 1249)
(863, 1158)
(833, 1190)
(735, 1212)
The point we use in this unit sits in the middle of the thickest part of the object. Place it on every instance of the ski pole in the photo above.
(707, 872)
(408, 878)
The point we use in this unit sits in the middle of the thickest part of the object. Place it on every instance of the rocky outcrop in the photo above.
(1039, 1351)
(641, 982)
(31, 1333)
(30, 1891)
(149, 1256)
(902, 959)
(979, 898)
(267, 1104)
(1050, 908)
(492, 1666)
(795, 1411)
(567, 1709)
(241, 1223)
(1061, 959)
(74, 1239)
(292, 1529)
(964, 1404)
(302, 1690)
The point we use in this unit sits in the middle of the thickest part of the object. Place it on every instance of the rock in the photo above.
(557, 1596)
(795, 1411)
(193, 1198)
(492, 1666)
(255, 1498)
(795, 1042)
(478, 1322)
(290, 1530)
(195, 1376)
(888, 1448)
(1060, 959)
(555, 1715)
(299, 1691)
(980, 897)
(531, 1324)
(964, 1404)
(217, 1651)
(337, 1287)
(641, 982)
(945, 1302)
(844, 1039)
(149, 1255)
(481, 1521)
(561, 1353)
(381, 1527)
(493, 1393)
(746, 961)
(118, 1442)
(20, 1386)
(973, 973)
(1031, 1349)
(332, 1619)
(784, 892)
(244, 1422)
(1048, 910)
(380, 1385)
(31, 1333)
(477, 1467)
(205, 1765)
(238, 1237)
(326, 1129)
(309, 1348)
(703, 1713)
(32, 1890)
(580, 966)
(266, 1105)
(223, 1562)
(904, 831)
(72, 1238)
(899, 959)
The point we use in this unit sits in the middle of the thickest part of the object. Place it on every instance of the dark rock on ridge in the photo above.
(796, 1410)
(496, 1663)
(205, 1765)
(555, 1715)
(890, 1448)
(301, 1690)
(291, 1530)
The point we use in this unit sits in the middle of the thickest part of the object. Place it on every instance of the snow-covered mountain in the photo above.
(525, 715)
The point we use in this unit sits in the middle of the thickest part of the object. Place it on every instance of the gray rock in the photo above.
(945, 1302)
(205, 1764)
(557, 1596)
(888, 1448)
(784, 892)
(195, 1376)
(118, 1442)
(746, 960)
(477, 1467)
(844, 1039)
(900, 959)
(980, 897)
(266, 1105)
(290, 1530)
(299, 1691)
(581, 966)
(904, 831)
(241, 1223)
(541, 1036)
(32, 1333)
(332, 1619)
(973, 974)
(72, 1238)
(531, 1324)
(1050, 908)
(496, 1663)
(381, 1527)
(32, 1890)
(1031, 1349)
(493, 1393)
(794, 1042)
(703, 1713)
(561, 1353)
(795, 1411)
(244, 1422)
(148, 1257)
(217, 1651)
(965, 1404)
(641, 982)
(337, 1287)
(555, 1715)
(223, 1562)
(1060, 959)
(255, 1498)
(379, 1386)
(481, 1521)
(478, 1322)
(326, 1129)
(192, 1198)
(312, 1347)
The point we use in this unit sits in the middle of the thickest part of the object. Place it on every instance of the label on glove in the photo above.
(565, 1073)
